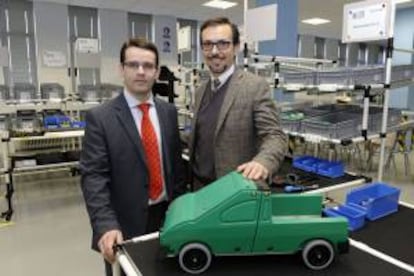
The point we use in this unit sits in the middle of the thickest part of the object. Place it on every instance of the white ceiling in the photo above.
(192, 9)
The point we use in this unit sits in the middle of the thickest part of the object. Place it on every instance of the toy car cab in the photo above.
(232, 216)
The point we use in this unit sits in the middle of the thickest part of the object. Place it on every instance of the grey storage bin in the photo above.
(305, 78)
(402, 73)
(291, 120)
(338, 76)
(340, 114)
(329, 108)
(26, 122)
(52, 91)
(89, 92)
(4, 122)
(368, 75)
(4, 93)
(24, 92)
(109, 91)
(375, 118)
(333, 125)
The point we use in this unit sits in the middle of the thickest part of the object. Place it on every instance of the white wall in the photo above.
(113, 32)
(4, 61)
(403, 38)
(51, 28)
(51, 35)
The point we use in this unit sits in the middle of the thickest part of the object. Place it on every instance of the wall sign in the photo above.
(87, 45)
(184, 39)
(54, 59)
(367, 21)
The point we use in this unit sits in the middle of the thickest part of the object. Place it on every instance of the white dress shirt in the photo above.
(223, 77)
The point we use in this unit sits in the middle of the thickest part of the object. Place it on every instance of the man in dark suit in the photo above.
(131, 159)
(236, 124)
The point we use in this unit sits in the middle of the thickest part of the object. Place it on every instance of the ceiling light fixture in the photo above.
(401, 1)
(219, 4)
(316, 21)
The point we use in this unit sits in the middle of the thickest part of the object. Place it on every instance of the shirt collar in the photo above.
(134, 102)
(224, 76)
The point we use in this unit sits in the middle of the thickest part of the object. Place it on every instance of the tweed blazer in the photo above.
(247, 127)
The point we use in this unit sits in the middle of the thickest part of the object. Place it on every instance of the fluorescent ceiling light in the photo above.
(316, 21)
(219, 4)
(401, 1)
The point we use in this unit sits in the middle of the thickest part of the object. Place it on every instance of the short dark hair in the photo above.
(139, 42)
(221, 21)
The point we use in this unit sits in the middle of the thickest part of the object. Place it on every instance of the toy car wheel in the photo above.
(194, 258)
(318, 254)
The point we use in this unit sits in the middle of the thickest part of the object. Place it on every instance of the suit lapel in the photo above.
(231, 93)
(199, 97)
(127, 122)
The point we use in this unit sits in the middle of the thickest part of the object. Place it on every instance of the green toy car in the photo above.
(232, 216)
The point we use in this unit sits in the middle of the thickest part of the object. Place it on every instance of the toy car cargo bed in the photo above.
(146, 257)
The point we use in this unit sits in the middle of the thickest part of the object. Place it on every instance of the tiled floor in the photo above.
(51, 232)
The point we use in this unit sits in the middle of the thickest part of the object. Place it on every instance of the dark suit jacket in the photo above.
(114, 172)
(247, 127)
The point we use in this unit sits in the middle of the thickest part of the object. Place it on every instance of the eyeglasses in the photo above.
(146, 66)
(220, 44)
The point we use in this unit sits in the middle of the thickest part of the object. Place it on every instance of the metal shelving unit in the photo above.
(18, 155)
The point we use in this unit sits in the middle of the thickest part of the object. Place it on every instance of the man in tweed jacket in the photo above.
(236, 125)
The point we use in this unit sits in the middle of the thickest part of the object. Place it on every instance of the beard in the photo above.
(216, 66)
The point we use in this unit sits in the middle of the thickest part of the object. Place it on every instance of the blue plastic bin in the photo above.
(51, 122)
(306, 163)
(78, 124)
(330, 169)
(319, 166)
(377, 199)
(355, 217)
(56, 121)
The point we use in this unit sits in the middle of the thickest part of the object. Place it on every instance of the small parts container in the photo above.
(78, 124)
(330, 169)
(333, 125)
(56, 121)
(89, 92)
(306, 163)
(372, 201)
(4, 93)
(355, 217)
(304, 78)
(290, 120)
(24, 92)
(319, 166)
(377, 199)
(52, 91)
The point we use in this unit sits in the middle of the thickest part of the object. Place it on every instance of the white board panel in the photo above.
(261, 23)
(184, 39)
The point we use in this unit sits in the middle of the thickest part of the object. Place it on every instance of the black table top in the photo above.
(392, 235)
(147, 258)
